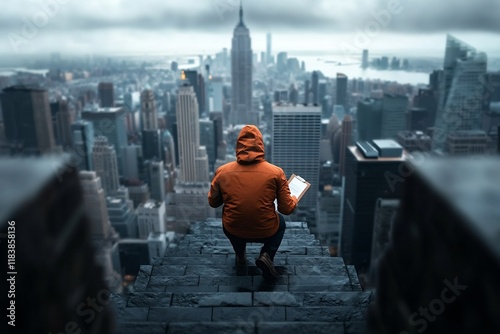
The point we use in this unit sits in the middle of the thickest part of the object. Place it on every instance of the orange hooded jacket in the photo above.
(248, 188)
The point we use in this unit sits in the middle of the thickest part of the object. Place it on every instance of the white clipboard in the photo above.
(298, 186)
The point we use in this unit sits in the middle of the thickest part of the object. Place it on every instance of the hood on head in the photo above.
(249, 146)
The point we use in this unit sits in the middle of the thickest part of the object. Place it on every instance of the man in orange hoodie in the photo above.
(248, 189)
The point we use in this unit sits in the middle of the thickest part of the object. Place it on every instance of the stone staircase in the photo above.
(196, 288)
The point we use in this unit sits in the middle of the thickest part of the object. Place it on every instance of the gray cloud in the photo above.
(220, 15)
(95, 22)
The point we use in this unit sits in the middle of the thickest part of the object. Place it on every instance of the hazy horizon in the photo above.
(121, 27)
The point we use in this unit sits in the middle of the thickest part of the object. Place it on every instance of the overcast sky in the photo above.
(199, 26)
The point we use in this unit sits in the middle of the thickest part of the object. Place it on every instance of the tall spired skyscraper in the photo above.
(241, 75)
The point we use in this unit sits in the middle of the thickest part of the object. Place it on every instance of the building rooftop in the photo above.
(156, 236)
(133, 241)
(95, 110)
(285, 107)
(151, 205)
(386, 143)
(413, 135)
(360, 157)
(467, 134)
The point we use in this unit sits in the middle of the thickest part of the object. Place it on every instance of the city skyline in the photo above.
(106, 161)
(124, 27)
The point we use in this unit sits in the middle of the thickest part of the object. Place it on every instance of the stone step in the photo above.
(247, 327)
(227, 243)
(229, 260)
(216, 237)
(242, 313)
(325, 269)
(196, 288)
(216, 250)
(220, 232)
(218, 224)
(241, 327)
(245, 283)
(216, 299)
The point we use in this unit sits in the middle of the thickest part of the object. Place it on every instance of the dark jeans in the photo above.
(271, 244)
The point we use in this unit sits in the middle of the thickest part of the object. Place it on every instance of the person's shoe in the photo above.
(265, 264)
(241, 261)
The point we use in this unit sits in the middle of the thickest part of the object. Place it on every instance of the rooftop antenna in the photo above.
(241, 12)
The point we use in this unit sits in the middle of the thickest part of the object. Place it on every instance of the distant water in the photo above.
(329, 67)
(9, 71)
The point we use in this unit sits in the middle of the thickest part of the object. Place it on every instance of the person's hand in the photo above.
(295, 198)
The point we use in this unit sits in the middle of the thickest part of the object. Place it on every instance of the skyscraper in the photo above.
(241, 75)
(345, 141)
(189, 135)
(417, 119)
(467, 142)
(364, 62)
(148, 109)
(105, 164)
(366, 181)
(215, 94)
(201, 91)
(193, 78)
(394, 108)
(83, 143)
(461, 90)
(64, 117)
(369, 119)
(156, 180)
(342, 91)
(150, 218)
(307, 91)
(27, 120)
(296, 146)
(413, 141)
(208, 138)
(492, 89)
(94, 199)
(315, 87)
(122, 217)
(281, 62)
(293, 95)
(131, 157)
(152, 144)
(385, 214)
(169, 147)
(217, 119)
(269, 49)
(110, 123)
(106, 93)
(425, 99)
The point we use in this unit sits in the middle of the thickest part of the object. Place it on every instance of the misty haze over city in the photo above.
(191, 26)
